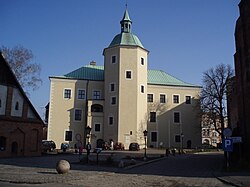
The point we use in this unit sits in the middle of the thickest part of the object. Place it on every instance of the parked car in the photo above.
(119, 146)
(134, 147)
(64, 146)
(48, 145)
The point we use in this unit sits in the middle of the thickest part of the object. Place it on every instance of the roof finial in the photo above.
(126, 4)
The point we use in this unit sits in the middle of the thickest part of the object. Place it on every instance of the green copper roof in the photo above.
(161, 78)
(96, 73)
(126, 16)
(126, 39)
(88, 72)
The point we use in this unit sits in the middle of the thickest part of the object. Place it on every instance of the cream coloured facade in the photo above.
(122, 99)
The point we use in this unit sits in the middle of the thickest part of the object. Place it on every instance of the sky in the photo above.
(184, 37)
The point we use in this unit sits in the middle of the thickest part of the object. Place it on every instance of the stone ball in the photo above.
(62, 166)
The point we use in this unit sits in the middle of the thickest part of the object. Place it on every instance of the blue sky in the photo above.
(184, 37)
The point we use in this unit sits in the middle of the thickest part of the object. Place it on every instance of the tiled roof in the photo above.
(161, 78)
(88, 72)
(126, 39)
(96, 73)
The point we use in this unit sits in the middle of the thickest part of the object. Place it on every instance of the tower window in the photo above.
(142, 89)
(111, 120)
(113, 100)
(142, 61)
(113, 59)
(128, 74)
(112, 87)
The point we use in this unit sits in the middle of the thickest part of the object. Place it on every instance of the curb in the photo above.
(228, 182)
(143, 163)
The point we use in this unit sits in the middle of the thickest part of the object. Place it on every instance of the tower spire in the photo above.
(126, 22)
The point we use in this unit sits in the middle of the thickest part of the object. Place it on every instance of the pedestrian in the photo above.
(111, 144)
(88, 147)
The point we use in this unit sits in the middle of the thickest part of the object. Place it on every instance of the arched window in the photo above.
(2, 143)
(96, 108)
(17, 106)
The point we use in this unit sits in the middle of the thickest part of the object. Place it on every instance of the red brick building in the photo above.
(20, 124)
(241, 87)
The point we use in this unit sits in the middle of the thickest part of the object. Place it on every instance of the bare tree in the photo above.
(27, 73)
(213, 97)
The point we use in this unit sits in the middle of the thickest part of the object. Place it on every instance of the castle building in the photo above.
(122, 99)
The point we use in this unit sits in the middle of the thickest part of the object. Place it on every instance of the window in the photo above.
(188, 99)
(176, 99)
(162, 98)
(0, 103)
(67, 93)
(131, 132)
(111, 120)
(78, 115)
(153, 136)
(97, 127)
(113, 100)
(177, 117)
(96, 95)
(81, 94)
(142, 89)
(113, 59)
(150, 98)
(177, 138)
(142, 61)
(152, 117)
(17, 106)
(96, 108)
(68, 136)
(128, 75)
(2, 143)
(112, 87)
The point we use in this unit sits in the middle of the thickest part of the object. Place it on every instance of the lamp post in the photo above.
(88, 146)
(145, 138)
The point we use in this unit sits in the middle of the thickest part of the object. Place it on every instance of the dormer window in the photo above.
(17, 106)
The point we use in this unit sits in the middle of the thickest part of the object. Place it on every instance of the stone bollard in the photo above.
(62, 166)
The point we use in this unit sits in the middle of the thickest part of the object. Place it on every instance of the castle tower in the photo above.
(125, 65)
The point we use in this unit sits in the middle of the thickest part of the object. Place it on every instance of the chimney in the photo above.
(92, 63)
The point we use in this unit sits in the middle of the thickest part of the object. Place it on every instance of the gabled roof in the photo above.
(96, 73)
(8, 78)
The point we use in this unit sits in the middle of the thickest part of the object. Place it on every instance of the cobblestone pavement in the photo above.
(40, 171)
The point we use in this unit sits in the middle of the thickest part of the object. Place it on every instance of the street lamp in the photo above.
(145, 138)
(88, 146)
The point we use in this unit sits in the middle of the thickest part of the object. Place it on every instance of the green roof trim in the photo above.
(126, 39)
(96, 73)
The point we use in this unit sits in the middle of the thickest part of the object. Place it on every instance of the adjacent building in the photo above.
(122, 99)
(239, 108)
(20, 124)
